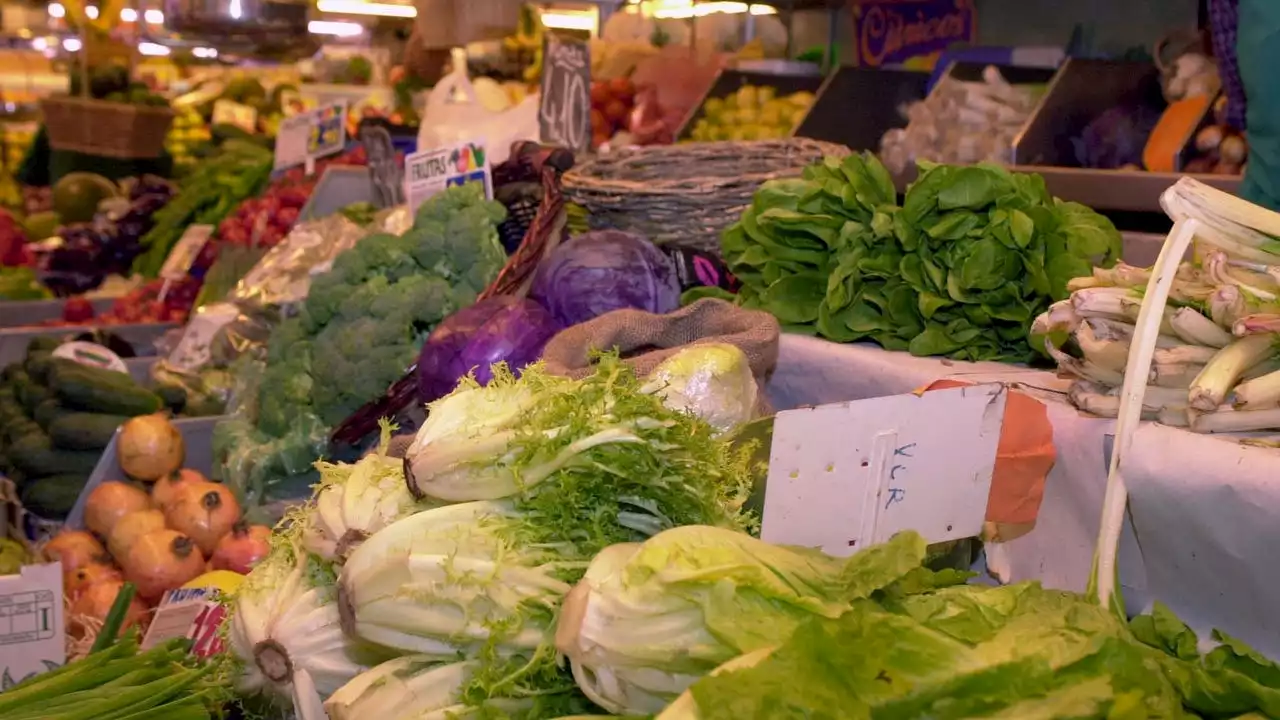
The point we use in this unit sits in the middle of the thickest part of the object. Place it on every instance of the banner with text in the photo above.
(427, 173)
(894, 32)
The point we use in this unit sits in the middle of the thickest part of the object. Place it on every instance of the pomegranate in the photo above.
(242, 548)
(96, 601)
(150, 447)
(111, 501)
(161, 561)
(166, 488)
(74, 548)
(74, 584)
(130, 528)
(204, 512)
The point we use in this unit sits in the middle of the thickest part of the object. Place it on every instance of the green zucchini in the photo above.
(174, 397)
(46, 412)
(35, 455)
(101, 391)
(53, 497)
(84, 431)
(43, 343)
(38, 365)
(34, 394)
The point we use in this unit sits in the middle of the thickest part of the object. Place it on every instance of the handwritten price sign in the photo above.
(564, 112)
(849, 475)
(311, 135)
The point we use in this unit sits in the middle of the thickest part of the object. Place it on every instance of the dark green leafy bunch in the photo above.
(361, 325)
(960, 269)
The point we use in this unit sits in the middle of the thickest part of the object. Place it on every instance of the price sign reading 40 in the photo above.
(564, 115)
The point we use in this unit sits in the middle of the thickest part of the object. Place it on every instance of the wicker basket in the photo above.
(528, 162)
(107, 129)
(685, 194)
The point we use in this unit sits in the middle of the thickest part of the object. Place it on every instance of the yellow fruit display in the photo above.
(16, 138)
(751, 113)
(187, 133)
(225, 581)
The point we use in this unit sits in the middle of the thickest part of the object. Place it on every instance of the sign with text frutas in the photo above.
(564, 109)
(849, 475)
(891, 32)
(427, 173)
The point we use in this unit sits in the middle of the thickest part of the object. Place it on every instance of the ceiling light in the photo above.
(129, 15)
(150, 48)
(570, 20)
(356, 7)
(91, 12)
(339, 29)
(71, 44)
(153, 17)
(56, 10)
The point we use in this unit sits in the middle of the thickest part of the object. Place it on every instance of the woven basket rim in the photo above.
(107, 105)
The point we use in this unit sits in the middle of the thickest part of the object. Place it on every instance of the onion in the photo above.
(96, 601)
(77, 582)
(1233, 150)
(130, 528)
(160, 561)
(150, 447)
(75, 549)
(111, 501)
(204, 512)
(242, 548)
(166, 488)
(1209, 138)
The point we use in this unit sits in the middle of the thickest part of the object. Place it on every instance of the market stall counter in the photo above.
(1200, 526)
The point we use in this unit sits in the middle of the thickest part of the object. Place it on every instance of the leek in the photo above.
(1258, 393)
(1211, 386)
(1196, 329)
(1227, 420)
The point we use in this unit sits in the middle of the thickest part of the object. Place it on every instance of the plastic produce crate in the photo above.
(339, 187)
(17, 313)
(14, 341)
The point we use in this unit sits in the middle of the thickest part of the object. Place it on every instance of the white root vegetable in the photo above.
(1184, 354)
(1210, 388)
(1176, 375)
(1228, 420)
(1258, 393)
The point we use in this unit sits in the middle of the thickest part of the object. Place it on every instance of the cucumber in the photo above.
(38, 365)
(35, 455)
(84, 431)
(53, 497)
(46, 412)
(9, 371)
(34, 395)
(43, 343)
(174, 397)
(101, 391)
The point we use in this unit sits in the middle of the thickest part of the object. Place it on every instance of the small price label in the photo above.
(311, 135)
(226, 112)
(849, 475)
(427, 173)
(184, 254)
(191, 613)
(564, 110)
(90, 354)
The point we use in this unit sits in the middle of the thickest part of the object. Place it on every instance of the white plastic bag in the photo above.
(455, 114)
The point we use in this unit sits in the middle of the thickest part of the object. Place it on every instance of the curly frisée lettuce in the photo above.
(647, 620)
(351, 502)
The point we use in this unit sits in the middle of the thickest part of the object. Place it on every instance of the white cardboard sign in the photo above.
(32, 637)
(431, 171)
(849, 475)
(309, 136)
(184, 254)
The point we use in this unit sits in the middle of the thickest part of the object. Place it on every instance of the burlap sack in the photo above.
(644, 339)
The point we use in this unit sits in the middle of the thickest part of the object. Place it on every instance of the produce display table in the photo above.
(1201, 509)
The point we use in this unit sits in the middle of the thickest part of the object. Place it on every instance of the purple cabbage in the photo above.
(606, 270)
(498, 329)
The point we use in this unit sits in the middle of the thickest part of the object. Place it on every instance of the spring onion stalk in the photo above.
(1258, 393)
(1266, 367)
(1227, 420)
(1104, 575)
(1196, 329)
(1222, 275)
(1174, 416)
(1185, 355)
(1176, 375)
(1226, 305)
(1102, 302)
(1081, 283)
(1215, 208)
(1083, 369)
(1210, 388)
(1256, 324)
(1106, 353)
(1096, 400)
(115, 617)
(1060, 317)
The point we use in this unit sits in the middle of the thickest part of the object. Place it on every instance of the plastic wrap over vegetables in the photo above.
(283, 277)
(499, 329)
(712, 381)
(606, 270)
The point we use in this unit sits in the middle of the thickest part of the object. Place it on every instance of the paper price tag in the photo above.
(191, 613)
(427, 173)
(184, 254)
(32, 639)
(233, 113)
(311, 135)
(90, 354)
(849, 475)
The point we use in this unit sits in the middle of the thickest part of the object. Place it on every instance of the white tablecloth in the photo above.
(1204, 536)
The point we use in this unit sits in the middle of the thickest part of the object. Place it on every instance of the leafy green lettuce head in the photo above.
(648, 620)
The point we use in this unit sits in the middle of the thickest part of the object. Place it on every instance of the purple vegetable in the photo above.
(498, 329)
(605, 270)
